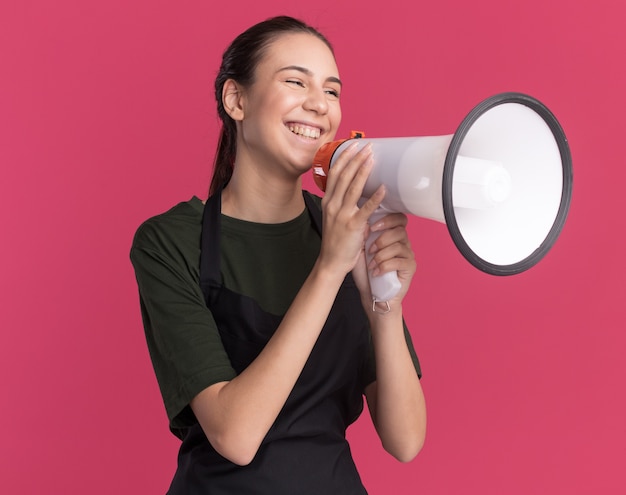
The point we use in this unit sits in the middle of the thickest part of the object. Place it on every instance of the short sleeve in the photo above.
(184, 344)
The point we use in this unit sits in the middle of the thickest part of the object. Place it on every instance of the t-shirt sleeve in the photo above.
(184, 344)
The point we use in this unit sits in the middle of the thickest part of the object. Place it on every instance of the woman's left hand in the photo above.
(395, 399)
(390, 252)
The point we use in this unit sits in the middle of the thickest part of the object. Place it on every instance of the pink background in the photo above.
(107, 117)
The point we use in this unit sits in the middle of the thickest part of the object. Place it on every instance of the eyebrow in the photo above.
(308, 72)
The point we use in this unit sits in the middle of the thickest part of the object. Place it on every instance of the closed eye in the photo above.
(297, 82)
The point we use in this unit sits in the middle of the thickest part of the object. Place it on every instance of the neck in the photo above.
(262, 201)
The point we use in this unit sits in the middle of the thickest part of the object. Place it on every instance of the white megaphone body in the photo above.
(502, 183)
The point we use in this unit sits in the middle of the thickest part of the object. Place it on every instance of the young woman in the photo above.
(256, 303)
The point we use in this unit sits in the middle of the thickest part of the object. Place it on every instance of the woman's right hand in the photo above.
(236, 415)
(345, 226)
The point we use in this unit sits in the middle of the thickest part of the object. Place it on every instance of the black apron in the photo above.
(305, 451)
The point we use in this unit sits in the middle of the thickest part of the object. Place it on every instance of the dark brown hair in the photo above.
(239, 63)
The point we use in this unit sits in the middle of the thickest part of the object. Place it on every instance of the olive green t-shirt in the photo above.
(267, 262)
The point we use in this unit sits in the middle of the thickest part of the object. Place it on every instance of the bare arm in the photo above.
(237, 415)
(395, 399)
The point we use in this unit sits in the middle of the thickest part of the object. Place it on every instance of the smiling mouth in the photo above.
(305, 131)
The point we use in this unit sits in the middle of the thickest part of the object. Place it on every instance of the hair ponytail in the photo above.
(224, 158)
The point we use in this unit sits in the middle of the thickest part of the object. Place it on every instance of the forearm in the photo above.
(237, 415)
(396, 400)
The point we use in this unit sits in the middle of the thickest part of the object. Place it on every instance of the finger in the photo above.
(390, 221)
(339, 164)
(374, 201)
(389, 244)
(397, 257)
(351, 175)
(388, 237)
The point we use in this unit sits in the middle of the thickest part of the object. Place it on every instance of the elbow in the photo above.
(407, 453)
(241, 458)
(235, 440)
(236, 450)
(407, 449)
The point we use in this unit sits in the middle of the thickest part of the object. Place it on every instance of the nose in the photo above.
(316, 101)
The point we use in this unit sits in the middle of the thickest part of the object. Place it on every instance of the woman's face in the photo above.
(292, 107)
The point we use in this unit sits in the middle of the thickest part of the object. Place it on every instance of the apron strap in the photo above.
(314, 211)
(210, 276)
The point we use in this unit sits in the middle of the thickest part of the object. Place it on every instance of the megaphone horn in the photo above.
(502, 183)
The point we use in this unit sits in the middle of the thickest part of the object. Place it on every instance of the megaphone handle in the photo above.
(384, 287)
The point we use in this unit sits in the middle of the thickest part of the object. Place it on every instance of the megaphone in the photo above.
(502, 183)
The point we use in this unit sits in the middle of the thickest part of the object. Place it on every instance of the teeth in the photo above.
(304, 131)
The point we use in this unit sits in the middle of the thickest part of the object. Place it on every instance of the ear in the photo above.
(232, 98)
